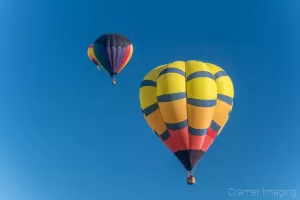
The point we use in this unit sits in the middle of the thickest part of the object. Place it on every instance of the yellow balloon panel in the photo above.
(223, 81)
(171, 79)
(174, 111)
(193, 66)
(148, 101)
(171, 93)
(225, 97)
(148, 88)
(200, 117)
(148, 96)
(156, 122)
(200, 82)
(201, 94)
(152, 76)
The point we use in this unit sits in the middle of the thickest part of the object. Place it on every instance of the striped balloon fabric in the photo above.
(113, 52)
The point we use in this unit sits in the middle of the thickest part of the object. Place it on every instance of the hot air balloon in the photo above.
(113, 51)
(187, 104)
(90, 53)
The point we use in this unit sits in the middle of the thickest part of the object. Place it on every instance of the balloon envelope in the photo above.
(91, 55)
(113, 52)
(187, 104)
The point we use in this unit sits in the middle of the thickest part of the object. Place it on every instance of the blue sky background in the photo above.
(62, 123)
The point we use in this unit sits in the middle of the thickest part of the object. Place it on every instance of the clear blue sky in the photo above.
(63, 125)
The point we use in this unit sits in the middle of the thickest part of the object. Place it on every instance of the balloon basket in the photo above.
(114, 82)
(191, 180)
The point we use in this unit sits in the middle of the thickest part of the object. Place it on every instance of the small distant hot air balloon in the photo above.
(113, 51)
(91, 55)
(187, 104)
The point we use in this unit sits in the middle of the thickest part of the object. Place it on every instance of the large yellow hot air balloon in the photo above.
(187, 104)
